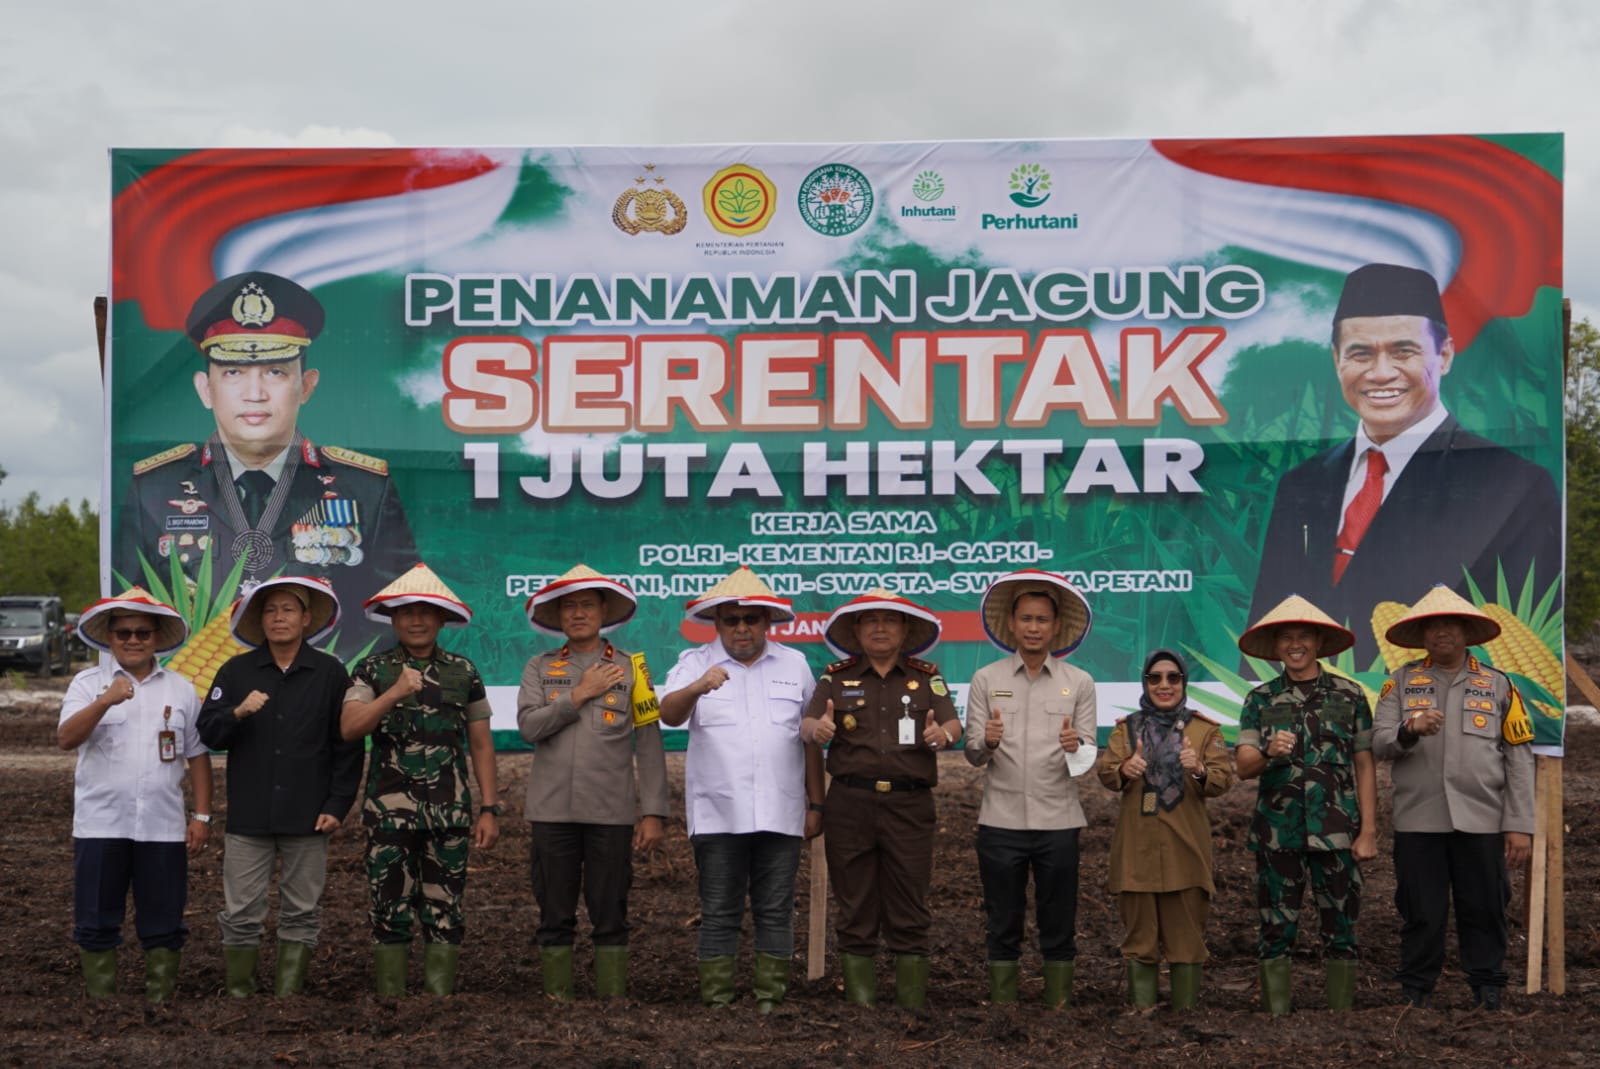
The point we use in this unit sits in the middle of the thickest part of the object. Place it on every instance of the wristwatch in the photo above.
(492, 809)
(204, 818)
(813, 807)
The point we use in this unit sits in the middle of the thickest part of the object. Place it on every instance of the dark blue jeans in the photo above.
(1005, 857)
(103, 870)
(760, 865)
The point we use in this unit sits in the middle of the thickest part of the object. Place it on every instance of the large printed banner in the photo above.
(915, 366)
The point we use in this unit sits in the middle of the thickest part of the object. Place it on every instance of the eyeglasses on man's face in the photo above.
(129, 634)
(748, 619)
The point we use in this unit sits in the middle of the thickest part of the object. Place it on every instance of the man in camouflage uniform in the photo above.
(424, 708)
(1308, 735)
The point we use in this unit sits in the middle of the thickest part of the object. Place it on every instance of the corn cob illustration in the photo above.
(1519, 650)
(1384, 616)
(204, 653)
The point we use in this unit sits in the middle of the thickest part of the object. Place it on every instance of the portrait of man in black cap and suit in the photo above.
(1412, 499)
(258, 489)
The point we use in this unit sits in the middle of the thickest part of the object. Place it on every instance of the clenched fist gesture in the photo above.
(251, 705)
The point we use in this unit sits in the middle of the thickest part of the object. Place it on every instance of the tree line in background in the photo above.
(54, 549)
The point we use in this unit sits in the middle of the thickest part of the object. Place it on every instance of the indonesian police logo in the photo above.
(649, 208)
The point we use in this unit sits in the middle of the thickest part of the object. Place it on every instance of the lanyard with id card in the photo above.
(166, 738)
(908, 726)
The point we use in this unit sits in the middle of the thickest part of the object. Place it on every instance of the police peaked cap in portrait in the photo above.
(544, 609)
(1073, 616)
(922, 626)
(1260, 640)
(1389, 290)
(742, 587)
(1441, 601)
(314, 595)
(96, 622)
(419, 586)
(254, 318)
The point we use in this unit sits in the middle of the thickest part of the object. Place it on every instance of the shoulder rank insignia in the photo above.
(839, 666)
(166, 456)
(356, 460)
(923, 666)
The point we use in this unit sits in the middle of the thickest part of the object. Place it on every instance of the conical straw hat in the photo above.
(94, 625)
(545, 614)
(1261, 639)
(419, 586)
(1442, 601)
(315, 594)
(922, 626)
(1073, 617)
(741, 587)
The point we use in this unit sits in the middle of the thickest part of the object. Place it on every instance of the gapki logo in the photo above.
(1030, 187)
(928, 187)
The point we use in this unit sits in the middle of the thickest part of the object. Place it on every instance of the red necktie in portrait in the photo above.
(1358, 517)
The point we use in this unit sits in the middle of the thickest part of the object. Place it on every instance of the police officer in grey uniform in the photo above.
(1458, 734)
(258, 493)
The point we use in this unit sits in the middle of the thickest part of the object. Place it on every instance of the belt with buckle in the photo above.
(882, 786)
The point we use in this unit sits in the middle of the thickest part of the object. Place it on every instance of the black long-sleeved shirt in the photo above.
(287, 763)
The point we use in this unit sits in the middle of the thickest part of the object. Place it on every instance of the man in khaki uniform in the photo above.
(888, 715)
(1033, 729)
(1458, 734)
(590, 710)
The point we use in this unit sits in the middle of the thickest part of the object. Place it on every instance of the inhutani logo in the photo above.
(928, 185)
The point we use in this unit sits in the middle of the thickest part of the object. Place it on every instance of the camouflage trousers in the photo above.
(417, 875)
(1281, 877)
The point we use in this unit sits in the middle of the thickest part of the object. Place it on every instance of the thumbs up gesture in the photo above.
(1069, 736)
(933, 734)
(994, 730)
(1189, 759)
(822, 728)
(1134, 766)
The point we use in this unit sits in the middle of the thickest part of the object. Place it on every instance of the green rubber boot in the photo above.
(1144, 980)
(556, 965)
(439, 961)
(1003, 981)
(239, 966)
(611, 971)
(860, 979)
(1277, 986)
(910, 981)
(99, 972)
(293, 960)
(1185, 985)
(160, 974)
(716, 982)
(1058, 983)
(1341, 983)
(389, 964)
(771, 981)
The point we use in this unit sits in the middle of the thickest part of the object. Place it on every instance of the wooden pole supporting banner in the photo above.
(817, 929)
(1555, 931)
(1536, 879)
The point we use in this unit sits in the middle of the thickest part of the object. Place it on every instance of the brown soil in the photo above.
(499, 1018)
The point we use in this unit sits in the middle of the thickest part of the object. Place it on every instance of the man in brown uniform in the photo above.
(590, 710)
(887, 715)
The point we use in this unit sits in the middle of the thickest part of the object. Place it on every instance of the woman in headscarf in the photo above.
(1165, 760)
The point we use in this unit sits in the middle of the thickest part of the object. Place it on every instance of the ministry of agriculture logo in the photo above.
(1030, 185)
(740, 200)
(835, 199)
(928, 185)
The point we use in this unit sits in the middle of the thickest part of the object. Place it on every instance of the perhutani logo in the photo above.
(835, 199)
(1030, 187)
(928, 185)
(740, 200)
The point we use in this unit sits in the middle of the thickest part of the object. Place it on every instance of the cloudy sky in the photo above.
(78, 78)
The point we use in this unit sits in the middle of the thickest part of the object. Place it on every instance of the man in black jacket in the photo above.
(1413, 499)
(291, 775)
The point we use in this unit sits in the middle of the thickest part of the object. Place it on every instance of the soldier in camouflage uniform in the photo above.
(424, 707)
(1307, 734)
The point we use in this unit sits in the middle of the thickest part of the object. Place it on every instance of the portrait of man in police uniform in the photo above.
(258, 490)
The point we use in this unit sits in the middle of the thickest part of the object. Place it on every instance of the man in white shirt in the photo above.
(1412, 499)
(752, 788)
(133, 725)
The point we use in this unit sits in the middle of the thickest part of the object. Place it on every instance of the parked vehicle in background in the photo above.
(33, 633)
(77, 649)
